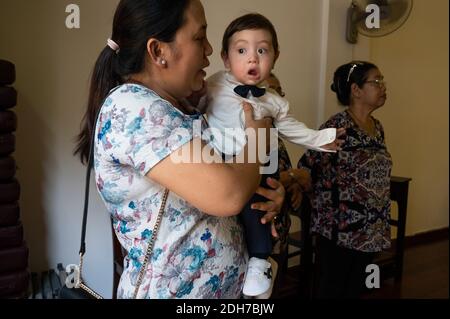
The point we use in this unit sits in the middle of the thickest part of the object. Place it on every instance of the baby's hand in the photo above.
(250, 122)
(336, 145)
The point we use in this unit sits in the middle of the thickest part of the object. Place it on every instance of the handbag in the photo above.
(80, 289)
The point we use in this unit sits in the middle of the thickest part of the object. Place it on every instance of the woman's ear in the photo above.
(226, 60)
(156, 52)
(355, 90)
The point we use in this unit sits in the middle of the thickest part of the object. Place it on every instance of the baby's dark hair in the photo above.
(251, 21)
(346, 75)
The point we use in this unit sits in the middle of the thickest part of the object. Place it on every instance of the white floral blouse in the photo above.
(195, 255)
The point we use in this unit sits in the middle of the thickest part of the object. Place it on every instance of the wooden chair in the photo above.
(302, 241)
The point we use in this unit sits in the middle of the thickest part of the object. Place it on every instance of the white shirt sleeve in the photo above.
(297, 132)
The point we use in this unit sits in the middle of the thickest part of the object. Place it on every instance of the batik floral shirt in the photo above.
(195, 255)
(283, 223)
(351, 188)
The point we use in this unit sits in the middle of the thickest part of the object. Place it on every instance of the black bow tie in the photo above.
(243, 90)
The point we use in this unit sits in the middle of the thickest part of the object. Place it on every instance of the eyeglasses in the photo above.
(378, 82)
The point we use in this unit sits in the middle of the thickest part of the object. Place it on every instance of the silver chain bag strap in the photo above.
(151, 243)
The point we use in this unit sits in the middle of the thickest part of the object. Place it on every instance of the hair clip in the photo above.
(113, 45)
(351, 71)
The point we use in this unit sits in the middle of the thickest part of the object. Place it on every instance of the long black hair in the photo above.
(135, 22)
(346, 75)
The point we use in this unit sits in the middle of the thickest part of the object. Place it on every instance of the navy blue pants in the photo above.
(258, 236)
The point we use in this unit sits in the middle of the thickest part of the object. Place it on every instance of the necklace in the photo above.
(368, 127)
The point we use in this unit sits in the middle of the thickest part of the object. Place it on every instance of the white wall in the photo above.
(338, 52)
(414, 61)
(53, 67)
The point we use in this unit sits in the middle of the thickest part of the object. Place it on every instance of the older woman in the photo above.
(350, 199)
(154, 60)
